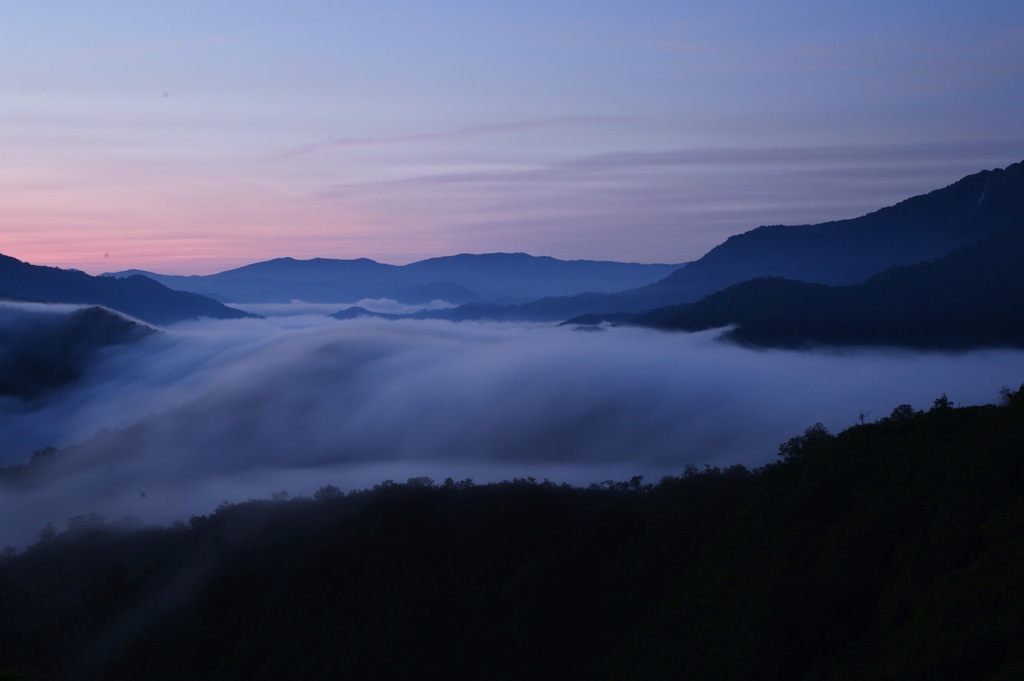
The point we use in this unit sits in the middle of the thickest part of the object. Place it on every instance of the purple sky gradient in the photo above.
(191, 137)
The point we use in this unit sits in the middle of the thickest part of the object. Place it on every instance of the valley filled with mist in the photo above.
(560, 403)
(511, 341)
(175, 422)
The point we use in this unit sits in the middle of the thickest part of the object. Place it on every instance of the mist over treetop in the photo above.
(871, 551)
(214, 410)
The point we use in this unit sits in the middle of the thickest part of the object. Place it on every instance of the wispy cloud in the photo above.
(458, 133)
(683, 200)
(847, 158)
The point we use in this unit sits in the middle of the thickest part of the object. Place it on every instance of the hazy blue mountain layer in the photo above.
(136, 296)
(496, 277)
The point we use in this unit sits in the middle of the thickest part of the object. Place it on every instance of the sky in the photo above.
(190, 137)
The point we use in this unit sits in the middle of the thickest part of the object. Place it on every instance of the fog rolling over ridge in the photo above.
(228, 410)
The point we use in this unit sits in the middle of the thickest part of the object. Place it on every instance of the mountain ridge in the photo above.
(486, 277)
(913, 230)
(971, 297)
(847, 251)
(136, 296)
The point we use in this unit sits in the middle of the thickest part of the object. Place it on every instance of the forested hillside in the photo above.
(972, 297)
(892, 550)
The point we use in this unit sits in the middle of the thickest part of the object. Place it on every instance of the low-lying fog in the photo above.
(230, 410)
(298, 308)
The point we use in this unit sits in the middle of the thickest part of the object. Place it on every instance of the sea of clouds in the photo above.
(176, 423)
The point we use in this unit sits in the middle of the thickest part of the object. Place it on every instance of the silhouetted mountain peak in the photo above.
(839, 252)
(136, 295)
(849, 251)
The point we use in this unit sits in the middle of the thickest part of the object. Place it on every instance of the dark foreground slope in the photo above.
(890, 551)
(135, 296)
(972, 297)
(41, 350)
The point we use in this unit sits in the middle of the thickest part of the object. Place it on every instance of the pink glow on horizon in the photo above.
(197, 234)
(195, 137)
(176, 255)
(635, 208)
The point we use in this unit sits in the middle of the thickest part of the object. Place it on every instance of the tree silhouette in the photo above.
(799, 446)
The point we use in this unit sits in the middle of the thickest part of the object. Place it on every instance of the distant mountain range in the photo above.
(840, 252)
(492, 277)
(826, 283)
(135, 296)
(971, 297)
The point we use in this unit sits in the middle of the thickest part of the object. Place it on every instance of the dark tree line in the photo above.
(891, 550)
